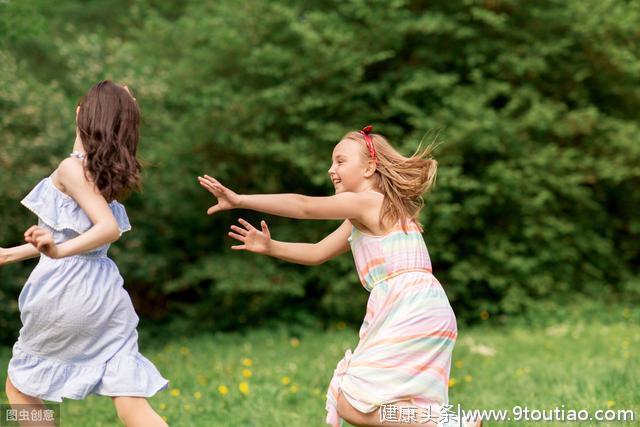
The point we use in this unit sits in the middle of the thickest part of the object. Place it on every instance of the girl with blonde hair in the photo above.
(403, 358)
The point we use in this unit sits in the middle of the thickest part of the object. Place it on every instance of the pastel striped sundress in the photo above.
(408, 333)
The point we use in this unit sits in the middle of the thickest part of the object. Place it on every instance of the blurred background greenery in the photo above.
(534, 103)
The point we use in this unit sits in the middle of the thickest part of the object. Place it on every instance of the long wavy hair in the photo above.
(402, 180)
(108, 124)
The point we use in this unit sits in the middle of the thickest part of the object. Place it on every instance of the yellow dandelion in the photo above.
(459, 364)
(341, 325)
(452, 382)
(294, 388)
(246, 373)
(484, 315)
(247, 362)
(197, 395)
(610, 403)
(285, 380)
(223, 390)
(187, 407)
(184, 351)
(166, 420)
(468, 378)
(316, 391)
(244, 388)
(295, 342)
(163, 406)
(175, 392)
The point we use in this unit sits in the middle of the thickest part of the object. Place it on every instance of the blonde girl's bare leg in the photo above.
(374, 419)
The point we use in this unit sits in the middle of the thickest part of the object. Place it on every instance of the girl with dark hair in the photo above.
(79, 326)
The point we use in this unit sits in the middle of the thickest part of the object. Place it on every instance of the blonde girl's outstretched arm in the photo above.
(259, 241)
(70, 174)
(345, 205)
(18, 253)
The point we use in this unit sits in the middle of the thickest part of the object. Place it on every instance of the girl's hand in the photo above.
(227, 199)
(253, 240)
(42, 240)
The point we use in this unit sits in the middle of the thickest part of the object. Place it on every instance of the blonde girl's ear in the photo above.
(371, 168)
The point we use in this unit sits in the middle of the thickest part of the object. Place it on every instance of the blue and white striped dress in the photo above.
(78, 334)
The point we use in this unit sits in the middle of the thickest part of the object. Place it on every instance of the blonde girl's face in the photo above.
(348, 170)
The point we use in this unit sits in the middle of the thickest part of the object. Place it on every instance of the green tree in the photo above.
(534, 105)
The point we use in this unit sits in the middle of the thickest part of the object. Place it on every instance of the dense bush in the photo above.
(534, 105)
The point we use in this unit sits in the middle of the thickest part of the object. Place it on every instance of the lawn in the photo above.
(270, 378)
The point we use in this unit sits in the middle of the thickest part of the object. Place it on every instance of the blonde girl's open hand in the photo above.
(227, 199)
(42, 240)
(253, 240)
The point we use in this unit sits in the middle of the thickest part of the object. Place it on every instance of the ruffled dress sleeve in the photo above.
(60, 212)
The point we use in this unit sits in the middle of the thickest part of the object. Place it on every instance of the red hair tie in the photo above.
(365, 132)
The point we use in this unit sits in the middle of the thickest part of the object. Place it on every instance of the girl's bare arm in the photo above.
(259, 241)
(18, 253)
(70, 174)
(346, 205)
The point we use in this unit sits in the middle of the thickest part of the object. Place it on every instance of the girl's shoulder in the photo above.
(57, 209)
(69, 171)
(371, 198)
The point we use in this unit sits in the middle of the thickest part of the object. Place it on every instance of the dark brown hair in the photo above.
(108, 125)
(402, 180)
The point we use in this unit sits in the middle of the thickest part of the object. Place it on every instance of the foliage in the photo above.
(534, 104)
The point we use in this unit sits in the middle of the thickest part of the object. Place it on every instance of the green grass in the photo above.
(581, 365)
